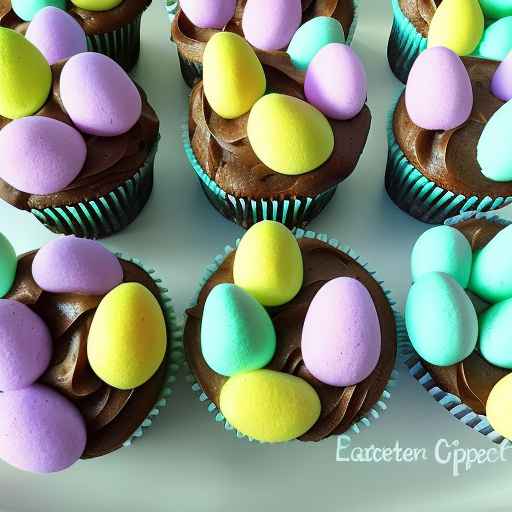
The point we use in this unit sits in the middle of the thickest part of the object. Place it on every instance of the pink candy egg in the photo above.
(211, 14)
(501, 84)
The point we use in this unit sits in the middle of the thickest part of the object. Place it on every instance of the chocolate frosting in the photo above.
(111, 415)
(449, 158)
(110, 160)
(420, 13)
(341, 406)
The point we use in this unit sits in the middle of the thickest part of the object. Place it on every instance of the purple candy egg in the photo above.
(270, 24)
(211, 14)
(41, 431)
(501, 83)
(98, 95)
(39, 155)
(341, 337)
(336, 82)
(439, 95)
(76, 265)
(56, 34)
(25, 346)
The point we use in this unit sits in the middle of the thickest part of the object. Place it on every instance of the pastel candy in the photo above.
(336, 82)
(27, 9)
(25, 76)
(56, 34)
(127, 339)
(495, 9)
(268, 264)
(270, 24)
(8, 264)
(495, 325)
(496, 42)
(442, 249)
(441, 320)
(289, 135)
(25, 346)
(281, 407)
(212, 14)
(97, 5)
(237, 334)
(311, 37)
(438, 77)
(501, 83)
(498, 408)
(233, 78)
(341, 337)
(98, 95)
(42, 431)
(76, 265)
(457, 25)
(40, 155)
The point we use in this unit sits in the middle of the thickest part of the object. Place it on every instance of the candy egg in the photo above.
(495, 9)
(233, 78)
(442, 249)
(25, 345)
(75, 265)
(96, 5)
(98, 95)
(56, 34)
(25, 76)
(498, 408)
(495, 325)
(441, 320)
(237, 335)
(212, 14)
(496, 42)
(501, 83)
(268, 264)
(40, 155)
(42, 431)
(270, 24)
(457, 25)
(8, 264)
(491, 274)
(281, 407)
(289, 135)
(127, 340)
(438, 77)
(336, 82)
(27, 9)
(312, 37)
(341, 336)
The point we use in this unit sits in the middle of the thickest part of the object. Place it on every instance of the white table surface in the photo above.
(187, 462)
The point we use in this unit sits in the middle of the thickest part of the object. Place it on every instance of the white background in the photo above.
(187, 462)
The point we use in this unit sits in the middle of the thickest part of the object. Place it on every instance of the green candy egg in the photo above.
(496, 8)
(496, 42)
(495, 326)
(8, 264)
(440, 319)
(96, 5)
(27, 9)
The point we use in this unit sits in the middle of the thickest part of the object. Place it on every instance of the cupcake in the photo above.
(480, 28)
(77, 140)
(458, 315)
(268, 141)
(447, 136)
(270, 26)
(88, 352)
(291, 338)
(112, 26)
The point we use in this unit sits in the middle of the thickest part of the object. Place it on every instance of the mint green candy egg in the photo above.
(440, 319)
(496, 9)
(495, 326)
(311, 37)
(8, 264)
(496, 42)
(27, 9)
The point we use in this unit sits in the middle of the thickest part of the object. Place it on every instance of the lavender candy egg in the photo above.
(270, 24)
(75, 265)
(25, 346)
(211, 14)
(501, 83)
(56, 34)
(439, 95)
(341, 337)
(336, 82)
(98, 95)
(42, 431)
(40, 155)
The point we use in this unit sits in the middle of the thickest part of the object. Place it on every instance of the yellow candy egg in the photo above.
(457, 25)
(96, 5)
(268, 263)
(233, 78)
(127, 339)
(499, 407)
(289, 135)
(269, 406)
(25, 76)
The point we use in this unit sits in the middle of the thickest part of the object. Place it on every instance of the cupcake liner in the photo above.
(378, 408)
(121, 45)
(421, 198)
(105, 215)
(171, 6)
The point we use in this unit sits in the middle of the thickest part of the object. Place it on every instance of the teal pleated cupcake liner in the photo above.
(377, 409)
(422, 198)
(121, 45)
(171, 6)
(104, 215)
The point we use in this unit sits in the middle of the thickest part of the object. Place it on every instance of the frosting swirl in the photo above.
(420, 13)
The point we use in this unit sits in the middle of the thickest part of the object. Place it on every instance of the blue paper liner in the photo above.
(378, 408)
(422, 198)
